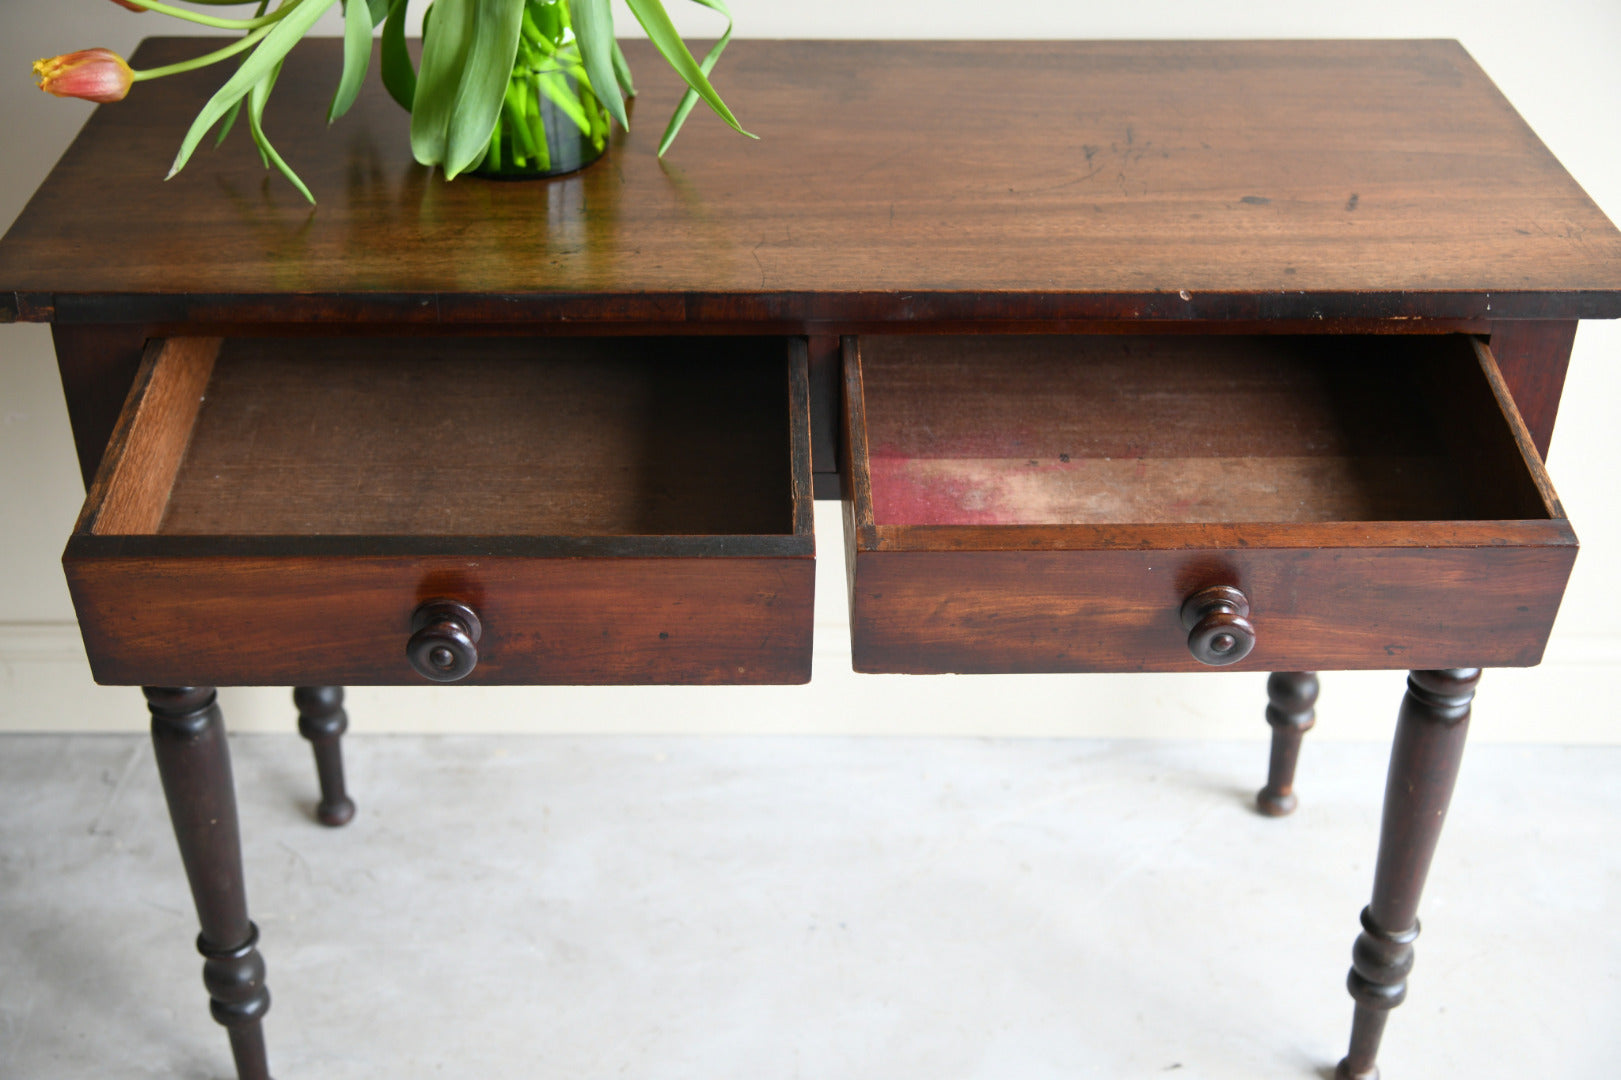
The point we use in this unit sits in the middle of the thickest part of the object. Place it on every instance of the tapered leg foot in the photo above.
(1343, 1070)
(1424, 762)
(322, 720)
(1291, 700)
(194, 764)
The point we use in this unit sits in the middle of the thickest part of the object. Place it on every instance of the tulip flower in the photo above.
(127, 4)
(92, 74)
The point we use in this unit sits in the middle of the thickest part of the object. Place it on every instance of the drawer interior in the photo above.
(458, 437)
(1037, 430)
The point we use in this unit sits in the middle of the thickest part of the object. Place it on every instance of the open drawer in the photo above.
(385, 510)
(1167, 502)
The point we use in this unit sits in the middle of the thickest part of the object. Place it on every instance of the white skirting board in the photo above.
(45, 685)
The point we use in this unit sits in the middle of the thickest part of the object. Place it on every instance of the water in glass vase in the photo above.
(551, 123)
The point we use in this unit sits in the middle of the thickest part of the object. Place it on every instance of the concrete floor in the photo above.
(779, 907)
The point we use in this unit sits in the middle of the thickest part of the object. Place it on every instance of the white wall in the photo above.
(1556, 62)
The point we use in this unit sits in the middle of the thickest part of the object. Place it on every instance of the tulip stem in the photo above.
(207, 58)
(213, 20)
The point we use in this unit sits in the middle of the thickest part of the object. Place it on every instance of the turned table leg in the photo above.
(1291, 697)
(322, 721)
(1424, 761)
(194, 764)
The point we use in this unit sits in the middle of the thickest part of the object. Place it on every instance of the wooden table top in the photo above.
(893, 181)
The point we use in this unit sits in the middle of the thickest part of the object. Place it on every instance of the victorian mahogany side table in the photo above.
(1121, 356)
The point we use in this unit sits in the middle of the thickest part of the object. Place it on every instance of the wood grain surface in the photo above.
(269, 621)
(925, 182)
(929, 612)
(1424, 761)
(1534, 356)
(615, 510)
(98, 366)
(490, 437)
(132, 488)
(1059, 429)
(1050, 582)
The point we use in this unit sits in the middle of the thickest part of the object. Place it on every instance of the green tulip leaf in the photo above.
(543, 23)
(257, 98)
(357, 26)
(378, 10)
(622, 71)
(226, 124)
(399, 77)
(266, 55)
(497, 25)
(236, 106)
(267, 153)
(444, 54)
(664, 36)
(594, 30)
(466, 64)
(690, 98)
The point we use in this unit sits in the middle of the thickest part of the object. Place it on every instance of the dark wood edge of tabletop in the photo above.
(797, 311)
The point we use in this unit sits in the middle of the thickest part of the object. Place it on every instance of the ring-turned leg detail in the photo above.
(1291, 700)
(194, 764)
(1424, 762)
(322, 720)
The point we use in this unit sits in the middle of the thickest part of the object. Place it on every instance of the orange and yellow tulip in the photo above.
(92, 74)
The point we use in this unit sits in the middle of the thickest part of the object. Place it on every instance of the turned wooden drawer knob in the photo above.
(444, 640)
(1218, 625)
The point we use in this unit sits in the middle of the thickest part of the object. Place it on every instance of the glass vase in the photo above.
(551, 123)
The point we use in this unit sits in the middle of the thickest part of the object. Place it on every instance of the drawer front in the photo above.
(346, 620)
(977, 543)
(488, 511)
(1035, 611)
